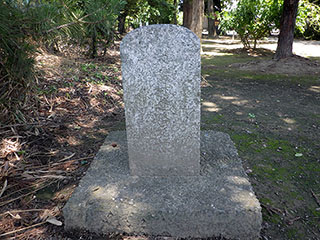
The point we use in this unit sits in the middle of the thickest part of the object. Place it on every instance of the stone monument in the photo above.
(163, 176)
(161, 81)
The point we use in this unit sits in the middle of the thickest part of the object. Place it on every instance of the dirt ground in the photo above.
(291, 66)
(270, 109)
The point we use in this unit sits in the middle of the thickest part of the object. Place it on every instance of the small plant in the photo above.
(88, 66)
(53, 89)
(251, 115)
(68, 84)
(120, 92)
(99, 75)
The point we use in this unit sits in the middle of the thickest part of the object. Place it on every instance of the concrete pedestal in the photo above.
(218, 202)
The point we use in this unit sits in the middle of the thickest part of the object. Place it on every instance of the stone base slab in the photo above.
(219, 202)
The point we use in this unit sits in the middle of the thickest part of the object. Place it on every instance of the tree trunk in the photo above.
(121, 23)
(287, 24)
(192, 15)
(175, 4)
(187, 13)
(211, 19)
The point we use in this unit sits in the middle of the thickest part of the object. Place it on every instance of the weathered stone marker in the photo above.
(161, 81)
(155, 180)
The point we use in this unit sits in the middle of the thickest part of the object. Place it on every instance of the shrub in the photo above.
(253, 19)
(25, 23)
(16, 63)
(308, 20)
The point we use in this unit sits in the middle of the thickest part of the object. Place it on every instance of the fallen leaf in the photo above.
(54, 221)
(17, 216)
(45, 215)
(4, 187)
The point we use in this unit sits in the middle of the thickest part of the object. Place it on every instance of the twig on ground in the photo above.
(21, 229)
(12, 193)
(66, 158)
(4, 187)
(78, 159)
(291, 221)
(271, 210)
(24, 195)
(21, 125)
(51, 176)
(21, 211)
(5, 132)
(315, 197)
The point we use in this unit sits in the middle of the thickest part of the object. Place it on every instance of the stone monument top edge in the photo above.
(150, 29)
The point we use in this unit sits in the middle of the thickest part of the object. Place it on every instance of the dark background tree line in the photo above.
(27, 24)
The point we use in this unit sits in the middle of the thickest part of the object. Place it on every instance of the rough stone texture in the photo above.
(161, 81)
(218, 202)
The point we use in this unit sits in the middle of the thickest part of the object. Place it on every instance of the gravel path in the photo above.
(300, 47)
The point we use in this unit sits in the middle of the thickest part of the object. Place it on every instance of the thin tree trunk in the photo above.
(175, 4)
(287, 24)
(121, 23)
(211, 20)
(197, 17)
(187, 13)
(193, 15)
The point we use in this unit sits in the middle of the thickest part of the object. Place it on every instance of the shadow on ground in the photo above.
(274, 119)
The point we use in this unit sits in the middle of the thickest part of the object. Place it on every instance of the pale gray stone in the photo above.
(161, 81)
(218, 202)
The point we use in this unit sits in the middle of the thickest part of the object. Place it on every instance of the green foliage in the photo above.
(16, 63)
(253, 19)
(83, 21)
(99, 22)
(149, 11)
(160, 11)
(26, 23)
(308, 20)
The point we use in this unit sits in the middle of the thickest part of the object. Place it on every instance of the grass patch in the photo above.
(283, 164)
(314, 58)
(293, 233)
(278, 160)
(226, 60)
(316, 117)
(220, 66)
(213, 118)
